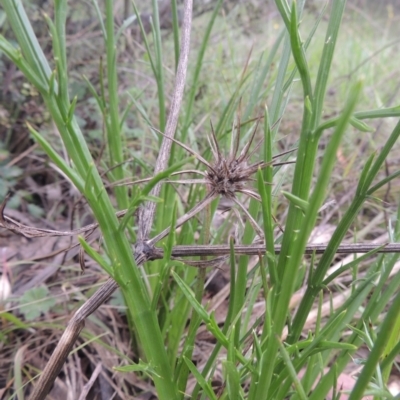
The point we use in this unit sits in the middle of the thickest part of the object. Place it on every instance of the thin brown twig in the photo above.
(146, 213)
(68, 338)
(255, 249)
(252, 221)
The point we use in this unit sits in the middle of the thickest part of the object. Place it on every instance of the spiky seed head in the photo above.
(228, 176)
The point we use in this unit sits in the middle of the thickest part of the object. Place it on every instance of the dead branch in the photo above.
(68, 338)
(256, 249)
(146, 213)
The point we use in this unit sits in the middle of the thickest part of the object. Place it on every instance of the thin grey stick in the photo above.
(252, 221)
(68, 338)
(92, 380)
(256, 249)
(154, 253)
(147, 211)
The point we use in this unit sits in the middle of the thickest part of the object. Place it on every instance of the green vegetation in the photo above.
(306, 88)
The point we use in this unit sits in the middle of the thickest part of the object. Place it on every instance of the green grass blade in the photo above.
(64, 167)
(114, 135)
(200, 379)
(156, 30)
(60, 14)
(175, 31)
(26, 37)
(369, 368)
(327, 57)
(299, 54)
(196, 74)
(94, 255)
(16, 57)
(292, 371)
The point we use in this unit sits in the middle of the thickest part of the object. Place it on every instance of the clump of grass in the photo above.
(258, 359)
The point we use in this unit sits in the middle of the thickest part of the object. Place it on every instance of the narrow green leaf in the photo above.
(380, 159)
(46, 146)
(60, 19)
(52, 83)
(390, 359)
(125, 114)
(16, 57)
(99, 100)
(325, 66)
(200, 379)
(383, 182)
(326, 344)
(300, 203)
(94, 255)
(350, 265)
(198, 66)
(377, 351)
(232, 380)
(300, 58)
(394, 337)
(265, 192)
(292, 371)
(380, 113)
(14, 320)
(27, 39)
(124, 25)
(191, 298)
(361, 125)
(308, 105)
(71, 110)
(364, 175)
(213, 327)
(100, 18)
(140, 367)
(144, 35)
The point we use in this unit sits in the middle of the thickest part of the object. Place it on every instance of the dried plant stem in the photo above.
(259, 249)
(146, 214)
(255, 249)
(252, 221)
(68, 338)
